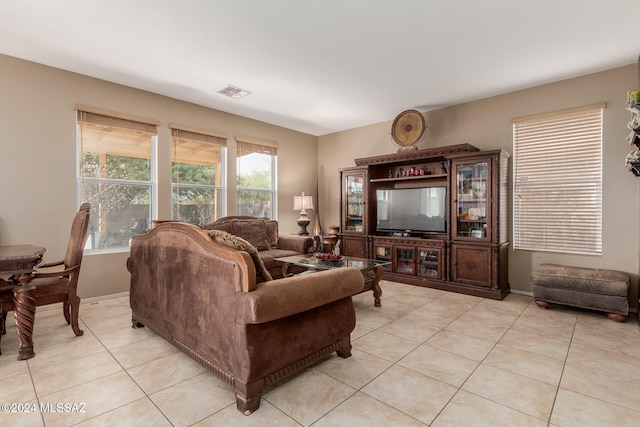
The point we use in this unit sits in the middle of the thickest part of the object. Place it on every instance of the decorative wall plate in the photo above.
(475, 214)
(408, 128)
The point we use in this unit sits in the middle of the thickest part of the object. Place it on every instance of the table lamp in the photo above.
(302, 203)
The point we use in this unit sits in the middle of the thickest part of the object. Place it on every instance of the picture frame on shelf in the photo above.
(477, 234)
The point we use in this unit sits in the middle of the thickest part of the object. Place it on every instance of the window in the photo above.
(557, 197)
(256, 166)
(115, 174)
(197, 176)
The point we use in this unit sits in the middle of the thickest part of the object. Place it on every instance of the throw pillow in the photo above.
(253, 231)
(262, 274)
(224, 226)
(272, 233)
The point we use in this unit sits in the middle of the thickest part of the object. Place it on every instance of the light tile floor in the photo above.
(425, 358)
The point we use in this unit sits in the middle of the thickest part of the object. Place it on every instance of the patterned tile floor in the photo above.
(425, 358)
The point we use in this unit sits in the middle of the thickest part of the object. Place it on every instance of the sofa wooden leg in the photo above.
(248, 405)
(617, 317)
(543, 304)
(135, 324)
(248, 395)
(345, 347)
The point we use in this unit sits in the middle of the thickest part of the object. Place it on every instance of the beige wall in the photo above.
(38, 149)
(487, 124)
(37, 158)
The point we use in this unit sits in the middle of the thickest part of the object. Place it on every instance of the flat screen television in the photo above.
(412, 210)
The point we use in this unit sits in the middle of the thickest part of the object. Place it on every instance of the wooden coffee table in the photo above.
(371, 269)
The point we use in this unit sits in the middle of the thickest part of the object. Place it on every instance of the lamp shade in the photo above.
(302, 202)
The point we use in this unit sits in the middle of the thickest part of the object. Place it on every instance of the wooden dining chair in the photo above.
(57, 285)
(61, 285)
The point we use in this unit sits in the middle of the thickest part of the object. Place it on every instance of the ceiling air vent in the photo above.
(234, 92)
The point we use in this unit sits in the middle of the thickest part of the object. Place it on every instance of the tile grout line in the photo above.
(128, 374)
(420, 344)
(479, 364)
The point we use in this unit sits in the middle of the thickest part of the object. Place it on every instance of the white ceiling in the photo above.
(325, 66)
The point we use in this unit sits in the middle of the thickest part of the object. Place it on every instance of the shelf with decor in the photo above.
(478, 252)
(409, 178)
(470, 198)
(439, 215)
(354, 214)
(354, 199)
(411, 259)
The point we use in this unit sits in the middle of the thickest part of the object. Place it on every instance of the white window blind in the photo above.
(557, 197)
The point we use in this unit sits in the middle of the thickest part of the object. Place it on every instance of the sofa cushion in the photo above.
(297, 294)
(253, 231)
(272, 233)
(222, 226)
(262, 274)
(268, 257)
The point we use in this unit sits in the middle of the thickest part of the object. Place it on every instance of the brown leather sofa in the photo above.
(202, 296)
(264, 235)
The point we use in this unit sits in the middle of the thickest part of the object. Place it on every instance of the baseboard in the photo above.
(529, 294)
(104, 297)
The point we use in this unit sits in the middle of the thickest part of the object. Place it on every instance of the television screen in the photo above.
(412, 209)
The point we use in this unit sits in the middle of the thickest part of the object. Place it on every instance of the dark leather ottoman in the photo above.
(590, 288)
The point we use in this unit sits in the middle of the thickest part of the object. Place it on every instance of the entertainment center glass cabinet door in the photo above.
(405, 260)
(354, 199)
(430, 263)
(354, 212)
(384, 252)
(471, 196)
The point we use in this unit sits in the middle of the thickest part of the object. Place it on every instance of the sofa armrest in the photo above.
(281, 298)
(293, 242)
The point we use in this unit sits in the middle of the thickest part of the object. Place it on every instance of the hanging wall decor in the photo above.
(632, 161)
(407, 129)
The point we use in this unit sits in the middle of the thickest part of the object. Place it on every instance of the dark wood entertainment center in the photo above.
(469, 256)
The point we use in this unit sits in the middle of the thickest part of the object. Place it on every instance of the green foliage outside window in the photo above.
(119, 190)
(116, 167)
(254, 194)
(194, 200)
(185, 173)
